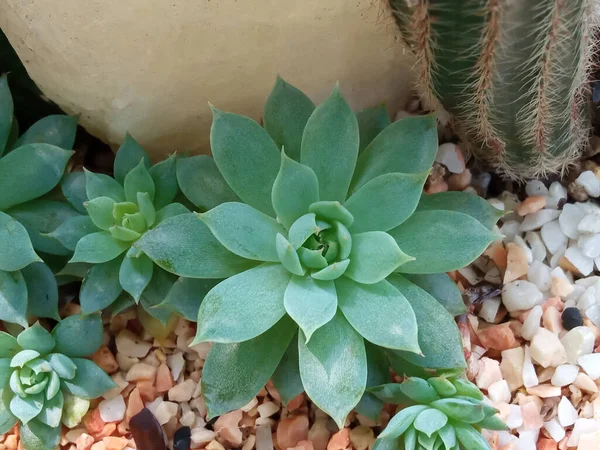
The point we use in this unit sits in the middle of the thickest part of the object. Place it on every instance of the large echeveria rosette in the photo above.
(45, 380)
(312, 243)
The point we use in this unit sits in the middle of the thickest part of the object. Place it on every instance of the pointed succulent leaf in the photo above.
(378, 373)
(426, 442)
(344, 239)
(16, 250)
(388, 444)
(463, 202)
(128, 156)
(419, 390)
(185, 246)
(8, 345)
(29, 172)
(39, 365)
(294, 190)
(332, 210)
(28, 407)
(401, 421)
(124, 234)
(62, 365)
(52, 411)
(146, 208)
(7, 419)
(442, 386)
(311, 303)
(72, 186)
(244, 230)
(330, 146)
(469, 437)
(97, 248)
(134, 222)
(78, 336)
(466, 388)
(172, 210)
(408, 146)
(57, 129)
(36, 338)
(13, 298)
(100, 185)
(246, 156)
(243, 306)
(53, 386)
(72, 230)
(6, 113)
(137, 180)
(286, 377)
(13, 135)
(135, 274)
(100, 286)
(261, 353)
(459, 409)
(286, 112)
(302, 229)
(397, 197)
(374, 256)
(165, 181)
(312, 259)
(441, 241)
(379, 312)
(74, 409)
(448, 436)
(333, 367)
(120, 209)
(186, 295)
(391, 393)
(100, 211)
(439, 338)
(371, 122)
(90, 381)
(441, 287)
(15, 384)
(332, 271)
(430, 421)
(38, 436)
(201, 182)
(492, 423)
(288, 256)
(410, 438)
(488, 410)
(37, 388)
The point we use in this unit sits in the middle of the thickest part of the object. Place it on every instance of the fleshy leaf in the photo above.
(243, 306)
(469, 437)
(441, 241)
(408, 146)
(442, 386)
(288, 255)
(186, 295)
(294, 190)
(52, 411)
(37, 436)
(312, 259)
(332, 271)
(62, 365)
(172, 210)
(101, 286)
(333, 367)
(332, 210)
(138, 180)
(8, 345)
(401, 421)
(16, 250)
(147, 209)
(459, 409)
(185, 246)
(330, 146)
(42, 291)
(397, 197)
(286, 112)
(448, 436)
(36, 338)
(379, 313)
(311, 303)
(57, 129)
(90, 381)
(388, 444)
(246, 156)
(72, 230)
(244, 231)
(73, 188)
(374, 256)
(135, 273)
(100, 185)
(430, 421)
(98, 248)
(302, 229)
(468, 389)
(165, 181)
(100, 210)
(29, 172)
(7, 419)
(419, 390)
(6, 113)
(78, 336)
(439, 338)
(261, 355)
(128, 156)
(371, 122)
(441, 287)
(27, 408)
(378, 372)
(286, 377)
(202, 183)
(13, 298)
(74, 409)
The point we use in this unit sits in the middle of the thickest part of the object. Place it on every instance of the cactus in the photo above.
(514, 73)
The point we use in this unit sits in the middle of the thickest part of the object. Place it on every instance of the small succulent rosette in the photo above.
(447, 413)
(30, 167)
(45, 379)
(317, 226)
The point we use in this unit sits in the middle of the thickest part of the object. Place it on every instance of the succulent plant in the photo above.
(307, 240)
(120, 211)
(45, 379)
(446, 413)
(30, 167)
(515, 75)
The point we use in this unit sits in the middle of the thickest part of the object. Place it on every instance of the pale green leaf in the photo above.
(98, 248)
(244, 230)
(378, 372)
(448, 436)
(330, 146)
(159, 287)
(74, 410)
(6, 113)
(172, 210)
(36, 338)
(72, 230)
(371, 122)
(441, 287)
(408, 146)
(374, 256)
(418, 390)
(332, 271)
(147, 209)
(73, 188)
(243, 306)
(7, 419)
(461, 410)
(165, 181)
(288, 256)
(78, 335)
(62, 365)
(90, 381)
(100, 185)
(185, 246)
(294, 190)
(332, 210)
(286, 377)
(430, 421)
(13, 298)
(311, 303)
(138, 180)
(286, 112)
(401, 421)
(441, 241)
(388, 444)
(52, 411)
(16, 250)
(53, 386)
(100, 211)
(386, 201)
(186, 295)
(37, 436)
(302, 229)
(410, 439)
(128, 156)
(135, 273)
(248, 366)
(8, 345)
(312, 259)
(246, 156)
(379, 312)
(27, 408)
(333, 367)
(100, 286)
(57, 129)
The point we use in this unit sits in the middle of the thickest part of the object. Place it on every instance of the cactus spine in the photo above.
(514, 73)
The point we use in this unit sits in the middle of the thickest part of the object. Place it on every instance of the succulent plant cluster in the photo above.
(45, 381)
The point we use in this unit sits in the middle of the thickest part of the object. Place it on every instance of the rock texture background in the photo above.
(151, 67)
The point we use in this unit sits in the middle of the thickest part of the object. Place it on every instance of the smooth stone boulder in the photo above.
(150, 68)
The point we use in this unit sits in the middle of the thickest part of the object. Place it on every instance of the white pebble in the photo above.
(584, 264)
(569, 219)
(593, 314)
(555, 260)
(591, 364)
(496, 203)
(589, 182)
(588, 298)
(515, 417)
(567, 414)
(510, 229)
(112, 410)
(176, 363)
(582, 426)
(530, 378)
(555, 430)
(537, 219)
(499, 392)
(547, 350)
(578, 342)
(536, 187)
(540, 274)
(521, 295)
(589, 244)
(589, 224)
(489, 309)
(553, 237)
(564, 375)
(557, 190)
(538, 249)
(449, 155)
(532, 323)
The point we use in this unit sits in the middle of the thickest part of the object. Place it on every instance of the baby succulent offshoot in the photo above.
(45, 380)
(311, 219)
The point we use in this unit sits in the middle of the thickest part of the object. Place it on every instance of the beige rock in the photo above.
(155, 67)
(532, 419)
(130, 345)
(105, 360)
(517, 265)
(340, 440)
(182, 392)
(229, 420)
(585, 383)
(552, 320)
(267, 409)
(164, 379)
(214, 445)
(531, 205)
(544, 390)
(547, 350)
(84, 442)
(512, 367)
(201, 437)
(292, 430)
(489, 373)
(362, 438)
(141, 372)
(165, 411)
(589, 441)
(319, 434)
